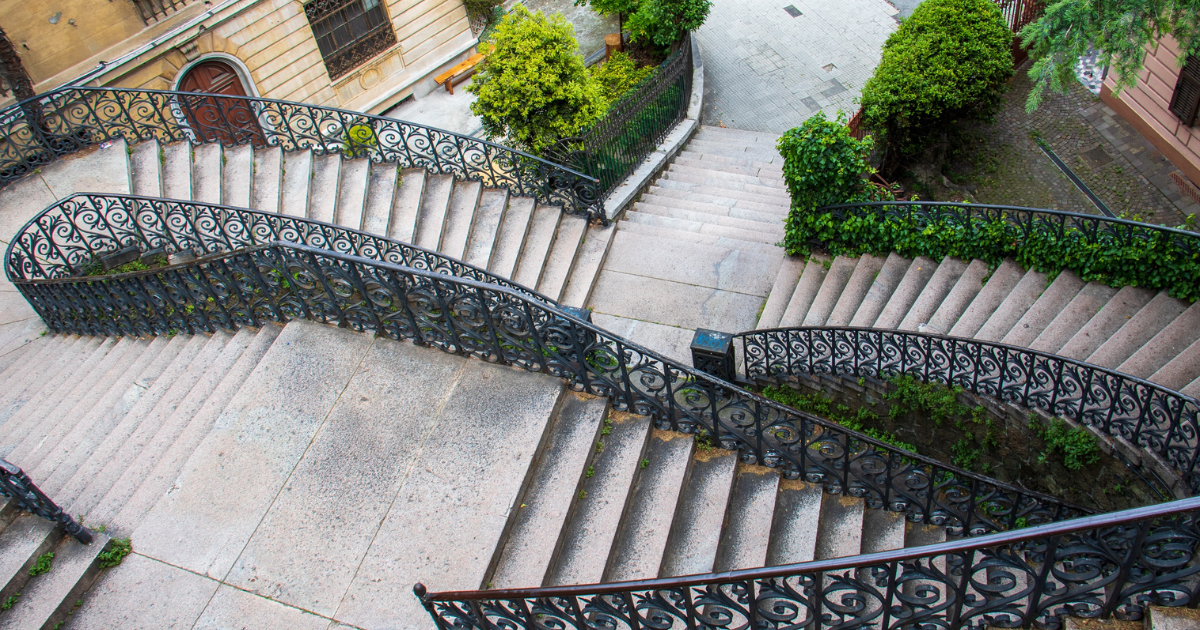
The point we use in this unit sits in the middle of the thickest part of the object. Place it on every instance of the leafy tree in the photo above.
(1120, 30)
(533, 88)
(660, 22)
(946, 63)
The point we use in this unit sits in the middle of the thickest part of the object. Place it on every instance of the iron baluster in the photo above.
(17, 485)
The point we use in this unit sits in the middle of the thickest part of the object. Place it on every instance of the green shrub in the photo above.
(1133, 256)
(481, 7)
(618, 75)
(663, 22)
(1076, 445)
(840, 414)
(823, 165)
(533, 88)
(946, 63)
(118, 548)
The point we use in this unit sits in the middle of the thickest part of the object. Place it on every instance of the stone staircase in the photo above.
(533, 244)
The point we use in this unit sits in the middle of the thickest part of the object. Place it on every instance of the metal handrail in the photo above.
(40, 130)
(25, 494)
(1158, 419)
(1095, 566)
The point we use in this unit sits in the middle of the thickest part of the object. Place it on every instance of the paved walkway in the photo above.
(765, 70)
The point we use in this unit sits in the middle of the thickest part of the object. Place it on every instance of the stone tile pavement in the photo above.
(765, 70)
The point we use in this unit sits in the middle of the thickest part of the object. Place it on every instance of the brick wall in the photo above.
(1145, 107)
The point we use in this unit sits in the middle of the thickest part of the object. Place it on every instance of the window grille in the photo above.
(154, 10)
(349, 32)
(1186, 99)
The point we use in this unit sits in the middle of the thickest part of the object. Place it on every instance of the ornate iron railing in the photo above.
(1163, 422)
(613, 146)
(156, 10)
(39, 131)
(1113, 564)
(1097, 247)
(16, 485)
(260, 281)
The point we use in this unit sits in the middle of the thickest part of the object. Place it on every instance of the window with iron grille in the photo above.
(349, 32)
(1186, 99)
(155, 10)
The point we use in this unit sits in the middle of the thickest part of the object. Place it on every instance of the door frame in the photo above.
(240, 68)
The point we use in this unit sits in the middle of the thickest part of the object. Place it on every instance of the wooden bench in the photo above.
(459, 73)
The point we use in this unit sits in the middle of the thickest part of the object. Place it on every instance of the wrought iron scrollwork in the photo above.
(39, 131)
(16, 485)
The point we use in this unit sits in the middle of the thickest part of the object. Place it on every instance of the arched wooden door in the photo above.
(230, 121)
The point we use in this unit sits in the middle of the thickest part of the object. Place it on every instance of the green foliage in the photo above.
(10, 601)
(1076, 445)
(705, 441)
(937, 401)
(359, 139)
(840, 414)
(1120, 30)
(533, 88)
(663, 22)
(118, 548)
(824, 165)
(619, 75)
(947, 63)
(1132, 256)
(481, 7)
(43, 565)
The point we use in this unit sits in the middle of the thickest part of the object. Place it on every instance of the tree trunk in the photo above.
(13, 71)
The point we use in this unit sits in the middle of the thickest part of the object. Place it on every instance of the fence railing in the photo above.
(17, 486)
(1159, 420)
(633, 127)
(39, 131)
(1110, 565)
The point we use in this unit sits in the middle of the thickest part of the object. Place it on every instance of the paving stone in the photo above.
(676, 304)
(20, 201)
(671, 342)
(144, 594)
(692, 263)
(99, 170)
(700, 517)
(231, 608)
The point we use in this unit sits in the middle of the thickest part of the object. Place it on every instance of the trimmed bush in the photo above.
(618, 75)
(663, 22)
(947, 63)
(533, 88)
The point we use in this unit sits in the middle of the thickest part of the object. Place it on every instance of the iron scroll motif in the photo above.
(16, 485)
(43, 129)
(1111, 565)
(282, 281)
(1161, 421)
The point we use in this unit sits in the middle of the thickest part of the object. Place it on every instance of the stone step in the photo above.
(766, 192)
(795, 524)
(1066, 324)
(179, 362)
(1104, 324)
(297, 182)
(772, 228)
(1164, 618)
(326, 184)
(146, 169)
(911, 285)
(685, 225)
(177, 170)
(721, 195)
(1014, 306)
(642, 538)
(1138, 331)
(736, 135)
(1180, 371)
(543, 231)
(723, 177)
(25, 539)
(1002, 281)
(959, 299)
(1170, 342)
(781, 292)
(720, 147)
(1049, 304)
(588, 262)
(206, 172)
(166, 470)
(137, 467)
(560, 261)
(851, 298)
(587, 539)
(559, 472)
(510, 240)
(882, 286)
(493, 204)
(934, 293)
(406, 208)
(806, 290)
(435, 203)
(768, 168)
(267, 190)
(883, 530)
(1193, 389)
(47, 600)
(381, 193)
(774, 219)
(698, 238)
(689, 195)
(831, 290)
(696, 160)
(352, 193)
(21, 387)
(237, 181)
(696, 526)
(460, 218)
(840, 531)
(747, 531)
